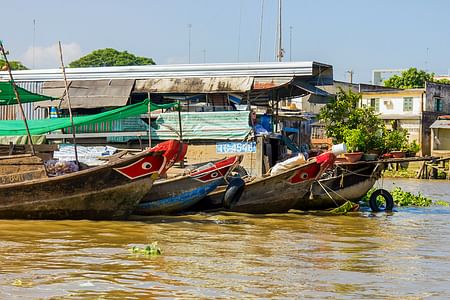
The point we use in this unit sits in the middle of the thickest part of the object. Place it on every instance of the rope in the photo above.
(325, 189)
(354, 173)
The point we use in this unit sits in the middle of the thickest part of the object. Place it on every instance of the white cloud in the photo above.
(48, 57)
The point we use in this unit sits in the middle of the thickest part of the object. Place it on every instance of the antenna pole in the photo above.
(279, 43)
(260, 31)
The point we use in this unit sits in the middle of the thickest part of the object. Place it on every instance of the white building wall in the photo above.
(394, 105)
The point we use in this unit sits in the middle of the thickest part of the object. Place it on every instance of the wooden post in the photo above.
(259, 163)
(66, 87)
(179, 122)
(13, 84)
(149, 121)
(276, 112)
(181, 129)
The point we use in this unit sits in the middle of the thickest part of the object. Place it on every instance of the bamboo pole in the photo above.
(179, 122)
(13, 84)
(69, 104)
(181, 129)
(149, 121)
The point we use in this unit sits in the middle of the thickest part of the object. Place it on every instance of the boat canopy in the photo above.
(42, 126)
(8, 97)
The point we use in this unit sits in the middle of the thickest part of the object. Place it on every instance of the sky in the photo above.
(356, 35)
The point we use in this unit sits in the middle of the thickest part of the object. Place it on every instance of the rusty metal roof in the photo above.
(443, 124)
(195, 85)
(89, 93)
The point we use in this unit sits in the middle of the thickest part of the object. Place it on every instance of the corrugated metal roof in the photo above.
(195, 85)
(441, 124)
(11, 112)
(89, 93)
(310, 88)
(263, 83)
(310, 69)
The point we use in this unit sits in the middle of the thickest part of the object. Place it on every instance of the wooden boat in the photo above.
(177, 194)
(110, 191)
(272, 194)
(346, 182)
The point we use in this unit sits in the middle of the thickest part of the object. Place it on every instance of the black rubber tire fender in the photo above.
(233, 192)
(387, 197)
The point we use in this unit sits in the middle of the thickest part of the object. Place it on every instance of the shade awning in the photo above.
(42, 126)
(310, 88)
(8, 96)
(89, 93)
(189, 85)
(443, 124)
(264, 83)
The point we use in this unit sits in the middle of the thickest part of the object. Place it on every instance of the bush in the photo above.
(354, 139)
(346, 122)
(395, 140)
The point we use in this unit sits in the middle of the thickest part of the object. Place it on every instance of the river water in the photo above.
(401, 255)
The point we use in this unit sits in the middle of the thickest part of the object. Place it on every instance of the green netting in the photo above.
(8, 97)
(17, 127)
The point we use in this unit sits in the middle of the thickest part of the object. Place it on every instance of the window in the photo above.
(407, 104)
(375, 104)
(437, 104)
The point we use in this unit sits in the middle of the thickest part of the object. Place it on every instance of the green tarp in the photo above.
(17, 127)
(8, 97)
(220, 125)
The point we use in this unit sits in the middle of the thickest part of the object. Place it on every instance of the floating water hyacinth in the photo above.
(345, 208)
(150, 250)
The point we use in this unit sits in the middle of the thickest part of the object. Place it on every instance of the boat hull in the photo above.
(175, 196)
(273, 194)
(178, 194)
(352, 185)
(108, 192)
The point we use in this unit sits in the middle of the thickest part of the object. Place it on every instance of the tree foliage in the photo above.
(15, 65)
(412, 78)
(110, 57)
(343, 116)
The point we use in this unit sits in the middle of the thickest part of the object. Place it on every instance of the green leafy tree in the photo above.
(15, 65)
(343, 117)
(446, 81)
(409, 79)
(110, 57)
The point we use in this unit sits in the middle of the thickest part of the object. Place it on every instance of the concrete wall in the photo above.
(443, 136)
(437, 90)
(393, 104)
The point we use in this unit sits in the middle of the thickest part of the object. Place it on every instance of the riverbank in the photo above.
(408, 170)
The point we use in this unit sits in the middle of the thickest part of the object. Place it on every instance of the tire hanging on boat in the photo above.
(233, 192)
(387, 198)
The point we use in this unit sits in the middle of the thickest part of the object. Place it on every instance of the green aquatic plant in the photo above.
(150, 250)
(441, 203)
(404, 198)
(345, 208)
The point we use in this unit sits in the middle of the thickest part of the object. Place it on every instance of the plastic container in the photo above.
(339, 149)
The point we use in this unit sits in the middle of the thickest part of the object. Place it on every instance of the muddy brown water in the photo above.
(402, 255)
